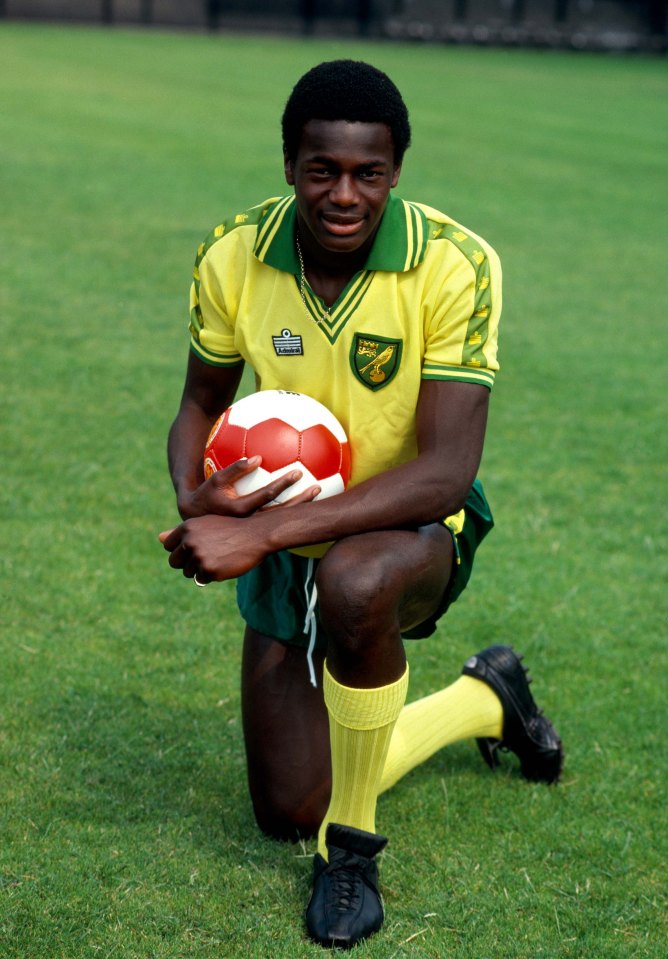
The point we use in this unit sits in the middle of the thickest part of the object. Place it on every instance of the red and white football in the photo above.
(289, 431)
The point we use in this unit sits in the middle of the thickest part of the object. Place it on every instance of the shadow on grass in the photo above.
(124, 760)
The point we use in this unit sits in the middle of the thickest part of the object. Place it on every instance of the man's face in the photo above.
(342, 175)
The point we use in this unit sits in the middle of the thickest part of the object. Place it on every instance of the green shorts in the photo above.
(273, 597)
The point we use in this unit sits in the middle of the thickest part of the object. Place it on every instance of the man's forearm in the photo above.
(185, 446)
(407, 496)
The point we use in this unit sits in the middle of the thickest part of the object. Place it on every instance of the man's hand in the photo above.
(231, 538)
(216, 547)
(218, 495)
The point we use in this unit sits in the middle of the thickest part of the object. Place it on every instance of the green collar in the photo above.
(399, 245)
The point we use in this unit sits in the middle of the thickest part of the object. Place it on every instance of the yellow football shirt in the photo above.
(426, 306)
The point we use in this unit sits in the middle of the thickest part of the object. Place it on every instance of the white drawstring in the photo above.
(310, 624)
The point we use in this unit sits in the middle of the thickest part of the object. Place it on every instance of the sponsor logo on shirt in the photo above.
(288, 344)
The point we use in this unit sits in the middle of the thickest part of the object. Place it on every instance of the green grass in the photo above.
(125, 825)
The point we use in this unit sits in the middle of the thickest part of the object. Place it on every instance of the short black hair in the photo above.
(346, 90)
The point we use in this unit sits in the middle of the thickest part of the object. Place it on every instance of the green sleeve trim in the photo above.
(461, 374)
(215, 359)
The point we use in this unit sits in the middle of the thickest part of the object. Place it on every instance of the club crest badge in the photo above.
(375, 359)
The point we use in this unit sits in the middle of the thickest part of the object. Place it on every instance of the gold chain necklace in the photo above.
(326, 315)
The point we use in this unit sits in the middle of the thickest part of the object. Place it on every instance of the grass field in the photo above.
(125, 825)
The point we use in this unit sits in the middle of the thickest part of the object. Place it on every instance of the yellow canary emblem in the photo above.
(375, 360)
(376, 374)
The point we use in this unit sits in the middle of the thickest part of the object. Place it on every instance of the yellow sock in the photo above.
(360, 728)
(467, 708)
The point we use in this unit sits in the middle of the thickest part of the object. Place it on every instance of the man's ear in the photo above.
(288, 169)
(395, 176)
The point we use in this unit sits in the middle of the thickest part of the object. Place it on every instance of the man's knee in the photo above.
(378, 584)
(283, 814)
(356, 590)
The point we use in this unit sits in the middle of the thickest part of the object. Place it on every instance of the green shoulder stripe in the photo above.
(248, 218)
(478, 327)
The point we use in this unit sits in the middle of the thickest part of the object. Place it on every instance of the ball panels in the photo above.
(289, 431)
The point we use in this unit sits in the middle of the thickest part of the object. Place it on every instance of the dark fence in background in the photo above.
(576, 24)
